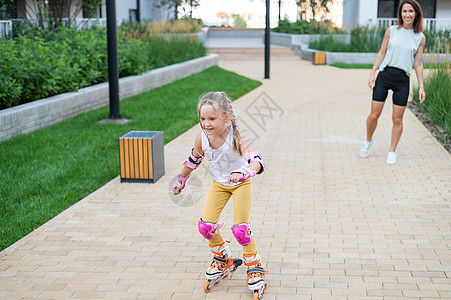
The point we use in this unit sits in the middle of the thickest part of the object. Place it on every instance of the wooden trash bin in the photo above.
(141, 156)
(319, 58)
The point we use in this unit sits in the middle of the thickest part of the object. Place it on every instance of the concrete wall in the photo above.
(443, 10)
(45, 112)
(367, 12)
(350, 14)
(235, 33)
(299, 44)
(290, 40)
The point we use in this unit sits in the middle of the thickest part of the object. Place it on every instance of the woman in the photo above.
(402, 48)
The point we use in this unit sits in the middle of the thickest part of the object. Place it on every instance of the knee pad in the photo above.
(207, 229)
(243, 233)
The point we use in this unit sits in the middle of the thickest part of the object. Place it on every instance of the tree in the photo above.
(238, 21)
(49, 14)
(311, 9)
(186, 5)
(8, 10)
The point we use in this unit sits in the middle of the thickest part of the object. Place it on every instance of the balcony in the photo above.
(428, 23)
(5, 28)
(80, 23)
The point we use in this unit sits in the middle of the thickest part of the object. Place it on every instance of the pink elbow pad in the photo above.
(193, 161)
(255, 156)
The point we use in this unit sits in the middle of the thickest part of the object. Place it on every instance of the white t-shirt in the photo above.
(401, 49)
(224, 160)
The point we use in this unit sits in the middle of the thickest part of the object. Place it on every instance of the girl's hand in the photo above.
(421, 95)
(179, 184)
(177, 187)
(371, 81)
(235, 177)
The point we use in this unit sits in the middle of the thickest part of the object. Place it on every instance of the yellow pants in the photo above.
(217, 198)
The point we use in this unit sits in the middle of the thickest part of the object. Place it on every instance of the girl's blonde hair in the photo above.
(221, 103)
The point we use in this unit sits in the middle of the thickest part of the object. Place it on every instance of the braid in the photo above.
(236, 133)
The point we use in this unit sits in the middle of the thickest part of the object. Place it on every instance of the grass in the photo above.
(47, 171)
(369, 66)
(352, 66)
(436, 109)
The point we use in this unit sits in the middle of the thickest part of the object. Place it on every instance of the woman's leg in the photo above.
(371, 121)
(398, 113)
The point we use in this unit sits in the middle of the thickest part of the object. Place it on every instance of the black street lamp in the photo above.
(113, 72)
(267, 41)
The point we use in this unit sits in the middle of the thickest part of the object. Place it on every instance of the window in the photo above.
(428, 8)
(388, 8)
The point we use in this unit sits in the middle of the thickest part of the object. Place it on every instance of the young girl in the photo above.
(233, 166)
(401, 48)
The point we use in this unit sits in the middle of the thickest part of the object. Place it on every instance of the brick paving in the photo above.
(329, 225)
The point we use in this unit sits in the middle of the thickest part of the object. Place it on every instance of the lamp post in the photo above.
(113, 72)
(138, 12)
(267, 41)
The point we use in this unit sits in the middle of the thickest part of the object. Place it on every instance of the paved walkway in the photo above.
(328, 224)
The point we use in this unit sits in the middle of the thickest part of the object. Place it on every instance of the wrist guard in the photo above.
(177, 184)
(245, 174)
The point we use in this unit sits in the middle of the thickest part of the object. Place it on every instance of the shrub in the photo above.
(362, 39)
(143, 30)
(437, 105)
(369, 39)
(304, 27)
(40, 64)
(437, 40)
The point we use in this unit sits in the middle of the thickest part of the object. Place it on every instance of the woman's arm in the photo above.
(379, 58)
(418, 64)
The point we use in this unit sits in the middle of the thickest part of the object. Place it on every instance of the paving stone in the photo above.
(328, 224)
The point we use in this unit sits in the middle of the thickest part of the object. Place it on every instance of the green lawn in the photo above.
(369, 66)
(47, 171)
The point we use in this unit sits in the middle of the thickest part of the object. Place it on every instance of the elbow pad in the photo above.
(255, 156)
(193, 162)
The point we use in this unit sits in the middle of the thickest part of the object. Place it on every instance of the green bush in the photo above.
(304, 27)
(369, 39)
(40, 64)
(362, 39)
(437, 86)
(437, 41)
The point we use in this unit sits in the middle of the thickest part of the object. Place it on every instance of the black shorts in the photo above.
(392, 79)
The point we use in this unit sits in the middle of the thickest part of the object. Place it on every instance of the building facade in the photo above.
(437, 13)
(126, 10)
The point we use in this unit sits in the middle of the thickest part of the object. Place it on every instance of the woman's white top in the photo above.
(401, 49)
(224, 160)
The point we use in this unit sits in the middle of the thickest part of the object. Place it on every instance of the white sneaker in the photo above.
(391, 158)
(365, 150)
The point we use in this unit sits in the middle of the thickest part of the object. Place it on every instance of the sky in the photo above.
(217, 12)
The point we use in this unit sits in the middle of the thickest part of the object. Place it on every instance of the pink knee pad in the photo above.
(207, 229)
(242, 233)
